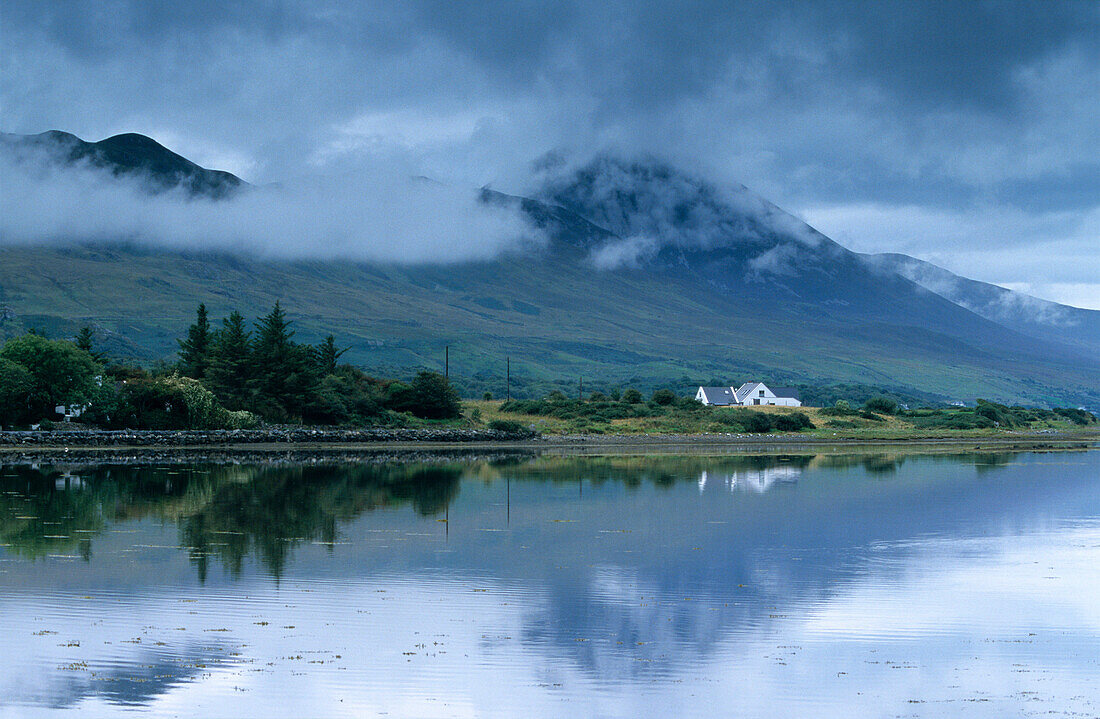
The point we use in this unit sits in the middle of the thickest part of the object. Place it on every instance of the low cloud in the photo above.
(372, 212)
(1044, 252)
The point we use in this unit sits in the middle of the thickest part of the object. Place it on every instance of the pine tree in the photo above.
(328, 355)
(84, 342)
(286, 372)
(195, 350)
(230, 373)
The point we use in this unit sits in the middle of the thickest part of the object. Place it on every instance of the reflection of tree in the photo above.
(228, 512)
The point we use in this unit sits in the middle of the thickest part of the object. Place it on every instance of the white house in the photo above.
(749, 394)
(68, 412)
(717, 396)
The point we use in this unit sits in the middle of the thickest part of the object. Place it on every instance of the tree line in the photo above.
(230, 376)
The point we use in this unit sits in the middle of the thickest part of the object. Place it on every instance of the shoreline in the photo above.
(301, 445)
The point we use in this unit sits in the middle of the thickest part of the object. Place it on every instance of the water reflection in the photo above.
(624, 586)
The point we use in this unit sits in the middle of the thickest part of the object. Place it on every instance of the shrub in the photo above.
(597, 397)
(793, 422)
(664, 397)
(632, 396)
(1077, 416)
(176, 403)
(488, 396)
(881, 404)
(510, 426)
(430, 396)
(757, 422)
(348, 396)
(998, 414)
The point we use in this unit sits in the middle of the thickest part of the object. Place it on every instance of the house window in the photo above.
(761, 393)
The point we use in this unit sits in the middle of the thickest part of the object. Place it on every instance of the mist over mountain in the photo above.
(1027, 314)
(59, 189)
(128, 155)
(620, 271)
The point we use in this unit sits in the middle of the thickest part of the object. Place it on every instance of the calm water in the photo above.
(556, 587)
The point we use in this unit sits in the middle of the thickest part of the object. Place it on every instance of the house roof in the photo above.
(718, 395)
(790, 392)
(744, 390)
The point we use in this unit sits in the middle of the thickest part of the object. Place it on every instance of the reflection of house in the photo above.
(68, 480)
(749, 394)
(753, 480)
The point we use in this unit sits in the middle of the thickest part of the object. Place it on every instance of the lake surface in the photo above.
(661, 586)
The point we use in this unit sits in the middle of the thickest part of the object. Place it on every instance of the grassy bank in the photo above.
(690, 418)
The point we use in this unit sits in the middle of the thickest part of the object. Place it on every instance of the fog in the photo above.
(372, 212)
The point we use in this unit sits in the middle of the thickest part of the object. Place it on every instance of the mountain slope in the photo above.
(1030, 315)
(132, 155)
(647, 277)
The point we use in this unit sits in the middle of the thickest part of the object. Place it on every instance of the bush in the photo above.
(881, 404)
(510, 426)
(1077, 416)
(488, 396)
(348, 396)
(793, 422)
(597, 397)
(664, 397)
(632, 396)
(757, 422)
(175, 403)
(430, 396)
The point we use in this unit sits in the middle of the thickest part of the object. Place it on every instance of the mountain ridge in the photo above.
(133, 154)
(698, 284)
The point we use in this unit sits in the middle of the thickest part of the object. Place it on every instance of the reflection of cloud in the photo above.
(137, 681)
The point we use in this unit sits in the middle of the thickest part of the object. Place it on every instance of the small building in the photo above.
(717, 396)
(748, 395)
(69, 412)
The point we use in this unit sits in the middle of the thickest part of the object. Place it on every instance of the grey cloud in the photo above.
(378, 212)
(960, 108)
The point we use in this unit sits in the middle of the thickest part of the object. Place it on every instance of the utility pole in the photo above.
(447, 361)
(508, 378)
(580, 388)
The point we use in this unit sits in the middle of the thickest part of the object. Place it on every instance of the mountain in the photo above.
(131, 155)
(647, 277)
(1030, 315)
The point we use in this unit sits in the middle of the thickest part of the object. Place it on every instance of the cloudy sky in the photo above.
(966, 133)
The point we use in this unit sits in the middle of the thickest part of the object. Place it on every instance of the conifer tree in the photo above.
(286, 372)
(230, 374)
(328, 355)
(195, 350)
(84, 342)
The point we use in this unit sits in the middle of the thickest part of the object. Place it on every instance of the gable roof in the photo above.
(744, 390)
(789, 392)
(718, 395)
